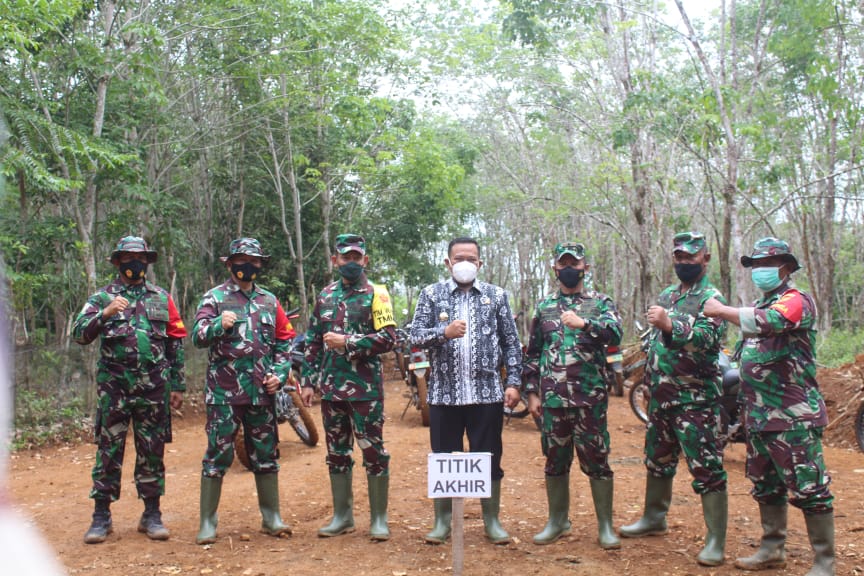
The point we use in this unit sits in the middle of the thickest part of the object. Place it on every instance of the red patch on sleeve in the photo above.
(176, 328)
(284, 330)
(790, 306)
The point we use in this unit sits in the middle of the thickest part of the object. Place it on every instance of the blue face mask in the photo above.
(766, 279)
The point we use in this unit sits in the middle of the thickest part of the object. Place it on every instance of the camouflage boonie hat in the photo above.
(247, 246)
(347, 242)
(768, 247)
(133, 244)
(574, 249)
(690, 242)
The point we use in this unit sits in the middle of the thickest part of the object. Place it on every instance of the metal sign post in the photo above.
(459, 475)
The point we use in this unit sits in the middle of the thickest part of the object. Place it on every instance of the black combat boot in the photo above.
(101, 527)
(151, 520)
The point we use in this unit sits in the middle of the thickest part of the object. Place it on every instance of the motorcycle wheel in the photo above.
(422, 399)
(240, 449)
(859, 426)
(639, 396)
(303, 424)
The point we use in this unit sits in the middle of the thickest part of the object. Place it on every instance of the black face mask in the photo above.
(351, 271)
(688, 273)
(133, 270)
(246, 272)
(570, 277)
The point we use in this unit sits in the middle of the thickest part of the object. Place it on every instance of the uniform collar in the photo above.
(452, 286)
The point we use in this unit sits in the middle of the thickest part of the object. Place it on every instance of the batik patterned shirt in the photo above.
(467, 370)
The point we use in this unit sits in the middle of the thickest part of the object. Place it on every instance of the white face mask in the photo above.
(464, 272)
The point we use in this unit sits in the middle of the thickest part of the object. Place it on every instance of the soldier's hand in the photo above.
(306, 395)
(176, 400)
(455, 329)
(511, 396)
(335, 340)
(271, 383)
(712, 308)
(572, 320)
(534, 405)
(118, 304)
(228, 320)
(659, 318)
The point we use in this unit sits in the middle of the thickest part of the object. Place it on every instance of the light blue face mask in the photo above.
(766, 279)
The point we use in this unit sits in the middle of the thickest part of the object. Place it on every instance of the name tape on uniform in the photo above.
(460, 475)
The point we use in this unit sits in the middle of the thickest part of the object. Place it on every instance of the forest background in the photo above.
(520, 122)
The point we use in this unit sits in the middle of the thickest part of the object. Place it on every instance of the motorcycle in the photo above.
(613, 372)
(731, 428)
(413, 365)
(287, 405)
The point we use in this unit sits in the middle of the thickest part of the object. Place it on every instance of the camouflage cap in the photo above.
(768, 247)
(248, 246)
(574, 249)
(690, 242)
(348, 242)
(133, 244)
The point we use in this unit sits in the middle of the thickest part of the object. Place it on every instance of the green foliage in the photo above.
(840, 347)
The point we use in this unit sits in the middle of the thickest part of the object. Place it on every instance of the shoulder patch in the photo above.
(790, 306)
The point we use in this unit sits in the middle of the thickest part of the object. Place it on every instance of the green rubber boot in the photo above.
(771, 553)
(558, 497)
(268, 502)
(658, 498)
(343, 506)
(491, 507)
(211, 491)
(820, 530)
(601, 493)
(715, 510)
(378, 489)
(443, 519)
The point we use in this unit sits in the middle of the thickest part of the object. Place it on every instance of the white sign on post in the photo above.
(460, 475)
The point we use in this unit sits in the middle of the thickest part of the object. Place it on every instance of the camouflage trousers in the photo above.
(363, 420)
(583, 429)
(789, 464)
(149, 415)
(259, 433)
(693, 432)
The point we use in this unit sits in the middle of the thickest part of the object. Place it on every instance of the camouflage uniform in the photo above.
(141, 362)
(350, 381)
(685, 381)
(238, 360)
(564, 365)
(784, 412)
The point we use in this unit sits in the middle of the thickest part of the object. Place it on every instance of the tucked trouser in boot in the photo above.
(211, 491)
(378, 489)
(715, 510)
(151, 520)
(268, 502)
(658, 498)
(343, 506)
(820, 530)
(772, 552)
(601, 493)
(101, 525)
(491, 507)
(443, 519)
(558, 497)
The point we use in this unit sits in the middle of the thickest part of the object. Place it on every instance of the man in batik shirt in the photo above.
(784, 412)
(140, 373)
(351, 326)
(564, 361)
(468, 327)
(248, 337)
(684, 409)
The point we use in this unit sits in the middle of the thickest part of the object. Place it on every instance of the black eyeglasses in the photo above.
(687, 237)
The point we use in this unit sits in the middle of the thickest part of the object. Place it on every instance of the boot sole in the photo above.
(644, 534)
(379, 537)
(287, 531)
(203, 541)
(99, 539)
(763, 566)
(553, 540)
(339, 533)
(436, 541)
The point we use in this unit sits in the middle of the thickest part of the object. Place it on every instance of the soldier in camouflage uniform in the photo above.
(684, 409)
(563, 363)
(351, 325)
(140, 373)
(248, 337)
(784, 412)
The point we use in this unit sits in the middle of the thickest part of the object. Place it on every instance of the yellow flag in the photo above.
(382, 308)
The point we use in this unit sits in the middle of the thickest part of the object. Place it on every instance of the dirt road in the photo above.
(51, 487)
